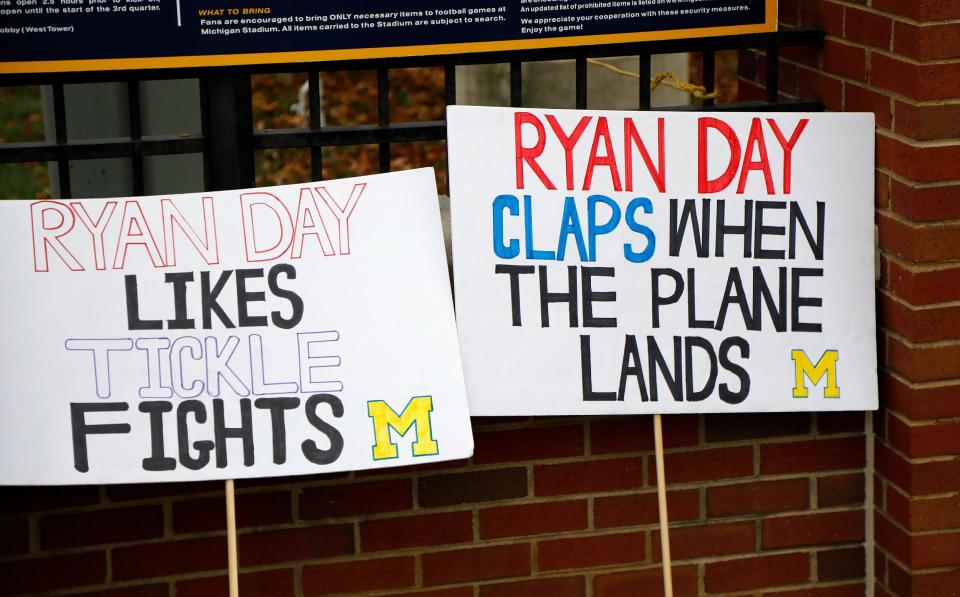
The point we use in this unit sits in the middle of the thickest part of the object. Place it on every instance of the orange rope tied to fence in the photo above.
(666, 77)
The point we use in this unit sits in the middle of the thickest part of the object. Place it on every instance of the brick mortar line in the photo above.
(814, 568)
(761, 477)
(924, 422)
(769, 441)
(531, 487)
(758, 518)
(556, 461)
(103, 495)
(808, 584)
(483, 544)
(86, 589)
(163, 539)
(297, 520)
(891, 54)
(592, 512)
(701, 579)
(536, 422)
(921, 345)
(171, 579)
(612, 569)
(163, 502)
(446, 548)
(921, 267)
(295, 505)
(913, 459)
(93, 508)
(298, 580)
(166, 509)
(755, 517)
(949, 142)
(476, 584)
(917, 308)
(933, 570)
(773, 551)
(587, 431)
(218, 493)
(477, 541)
(892, 16)
(701, 503)
(474, 524)
(357, 538)
(925, 497)
(867, 84)
(917, 184)
(418, 570)
(772, 440)
(915, 534)
(819, 510)
(33, 536)
(109, 562)
(813, 491)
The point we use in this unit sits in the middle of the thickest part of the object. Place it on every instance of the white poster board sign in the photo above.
(643, 262)
(264, 332)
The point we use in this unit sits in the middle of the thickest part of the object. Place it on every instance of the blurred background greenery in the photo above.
(21, 120)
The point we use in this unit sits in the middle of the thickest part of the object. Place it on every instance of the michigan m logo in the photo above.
(804, 369)
(415, 414)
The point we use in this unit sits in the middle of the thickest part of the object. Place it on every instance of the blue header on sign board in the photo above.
(70, 30)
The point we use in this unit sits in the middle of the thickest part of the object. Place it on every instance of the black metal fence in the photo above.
(228, 141)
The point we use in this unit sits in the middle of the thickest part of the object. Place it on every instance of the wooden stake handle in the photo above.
(232, 541)
(662, 501)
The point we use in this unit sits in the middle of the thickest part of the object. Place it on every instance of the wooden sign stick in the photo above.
(662, 501)
(232, 541)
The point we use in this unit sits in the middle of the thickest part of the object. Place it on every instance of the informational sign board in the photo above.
(84, 35)
(644, 262)
(263, 332)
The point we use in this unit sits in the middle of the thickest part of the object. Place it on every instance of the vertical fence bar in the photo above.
(644, 81)
(773, 74)
(709, 75)
(450, 84)
(516, 84)
(205, 132)
(315, 122)
(60, 131)
(229, 157)
(450, 99)
(383, 112)
(226, 117)
(581, 85)
(136, 134)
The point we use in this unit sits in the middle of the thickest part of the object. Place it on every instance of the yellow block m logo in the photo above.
(415, 413)
(804, 369)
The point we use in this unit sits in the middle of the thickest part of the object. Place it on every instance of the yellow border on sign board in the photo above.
(97, 64)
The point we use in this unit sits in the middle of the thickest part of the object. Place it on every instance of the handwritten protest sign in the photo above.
(619, 262)
(277, 331)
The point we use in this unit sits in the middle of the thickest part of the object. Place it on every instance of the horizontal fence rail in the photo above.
(228, 141)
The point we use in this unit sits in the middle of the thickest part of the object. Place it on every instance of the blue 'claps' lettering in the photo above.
(604, 215)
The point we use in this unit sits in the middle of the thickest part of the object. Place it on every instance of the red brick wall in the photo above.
(767, 505)
(900, 59)
(762, 504)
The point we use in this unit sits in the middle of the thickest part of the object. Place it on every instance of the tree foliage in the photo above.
(349, 98)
